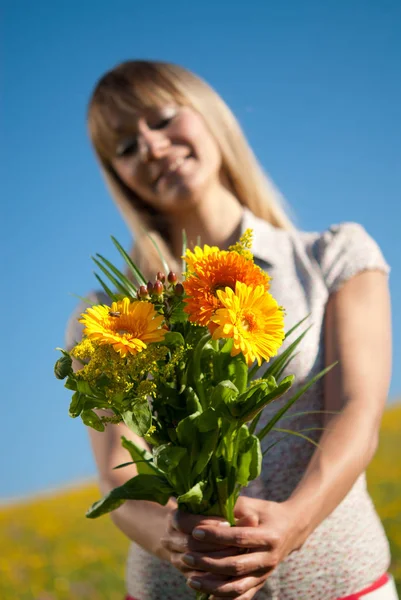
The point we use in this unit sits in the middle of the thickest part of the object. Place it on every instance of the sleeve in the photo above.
(74, 329)
(344, 251)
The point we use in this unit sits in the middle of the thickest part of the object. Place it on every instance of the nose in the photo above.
(152, 143)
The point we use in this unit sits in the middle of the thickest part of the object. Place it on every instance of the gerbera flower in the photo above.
(213, 270)
(253, 319)
(127, 326)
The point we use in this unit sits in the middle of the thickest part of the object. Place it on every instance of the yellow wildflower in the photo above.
(244, 245)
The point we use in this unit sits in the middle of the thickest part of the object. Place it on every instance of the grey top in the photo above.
(349, 550)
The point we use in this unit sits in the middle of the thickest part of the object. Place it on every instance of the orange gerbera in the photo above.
(212, 270)
(254, 321)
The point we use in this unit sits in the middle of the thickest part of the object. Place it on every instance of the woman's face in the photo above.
(171, 159)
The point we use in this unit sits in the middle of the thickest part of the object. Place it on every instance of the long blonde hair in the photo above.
(124, 92)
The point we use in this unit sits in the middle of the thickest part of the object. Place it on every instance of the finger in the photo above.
(243, 537)
(247, 596)
(232, 588)
(180, 542)
(177, 562)
(227, 563)
(185, 522)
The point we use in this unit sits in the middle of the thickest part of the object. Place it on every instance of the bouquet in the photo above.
(176, 361)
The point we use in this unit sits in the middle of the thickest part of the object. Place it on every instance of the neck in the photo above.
(216, 220)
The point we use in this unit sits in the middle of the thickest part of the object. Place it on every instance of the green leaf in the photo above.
(111, 277)
(71, 383)
(296, 326)
(138, 418)
(269, 426)
(207, 447)
(183, 251)
(63, 366)
(77, 404)
(147, 467)
(91, 419)
(193, 404)
(297, 434)
(277, 365)
(187, 430)
(263, 400)
(106, 288)
(197, 372)
(84, 387)
(249, 460)
(130, 264)
(167, 457)
(225, 392)
(173, 338)
(238, 372)
(193, 498)
(140, 487)
(162, 259)
(177, 314)
(129, 286)
(208, 420)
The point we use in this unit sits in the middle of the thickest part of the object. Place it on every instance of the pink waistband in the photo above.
(371, 588)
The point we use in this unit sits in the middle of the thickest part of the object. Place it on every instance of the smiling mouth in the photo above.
(171, 169)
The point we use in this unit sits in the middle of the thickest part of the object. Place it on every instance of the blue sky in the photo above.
(317, 90)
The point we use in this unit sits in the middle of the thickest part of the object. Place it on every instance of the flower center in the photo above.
(248, 321)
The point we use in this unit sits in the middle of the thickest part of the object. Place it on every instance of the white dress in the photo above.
(349, 550)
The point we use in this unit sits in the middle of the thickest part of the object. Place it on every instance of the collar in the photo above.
(266, 238)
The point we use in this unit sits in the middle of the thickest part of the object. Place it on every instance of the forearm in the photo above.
(143, 522)
(345, 449)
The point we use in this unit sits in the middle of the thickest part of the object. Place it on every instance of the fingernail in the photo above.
(188, 559)
(224, 524)
(198, 534)
(174, 520)
(194, 584)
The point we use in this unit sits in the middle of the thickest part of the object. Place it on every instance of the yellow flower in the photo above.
(244, 245)
(126, 326)
(216, 270)
(253, 319)
(192, 258)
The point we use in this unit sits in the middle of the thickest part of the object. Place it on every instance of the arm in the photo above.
(141, 521)
(358, 336)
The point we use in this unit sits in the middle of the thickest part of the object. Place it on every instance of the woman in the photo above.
(174, 158)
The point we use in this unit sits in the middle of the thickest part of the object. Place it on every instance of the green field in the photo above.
(49, 551)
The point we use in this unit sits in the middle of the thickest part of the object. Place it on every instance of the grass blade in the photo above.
(163, 260)
(297, 434)
(124, 280)
(296, 326)
(109, 276)
(183, 251)
(291, 401)
(277, 365)
(131, 265)
(108, 291)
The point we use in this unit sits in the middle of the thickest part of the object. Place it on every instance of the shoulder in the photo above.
(74, 329)
(342, 251)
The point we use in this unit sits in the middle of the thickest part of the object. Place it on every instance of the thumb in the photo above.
(244, 514)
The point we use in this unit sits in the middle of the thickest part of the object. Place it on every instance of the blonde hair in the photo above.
(132, 86)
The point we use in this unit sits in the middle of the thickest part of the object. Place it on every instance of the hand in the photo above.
(241, 575)
(178, 541)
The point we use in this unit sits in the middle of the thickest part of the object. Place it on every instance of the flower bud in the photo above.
(158, 288)
(150, 287)
(179, 289)
(161, 277)
(172, 277)
(143, 291)
(62, 368)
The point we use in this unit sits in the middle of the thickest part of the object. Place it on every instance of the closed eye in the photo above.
(163, 123)
(127, 148)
